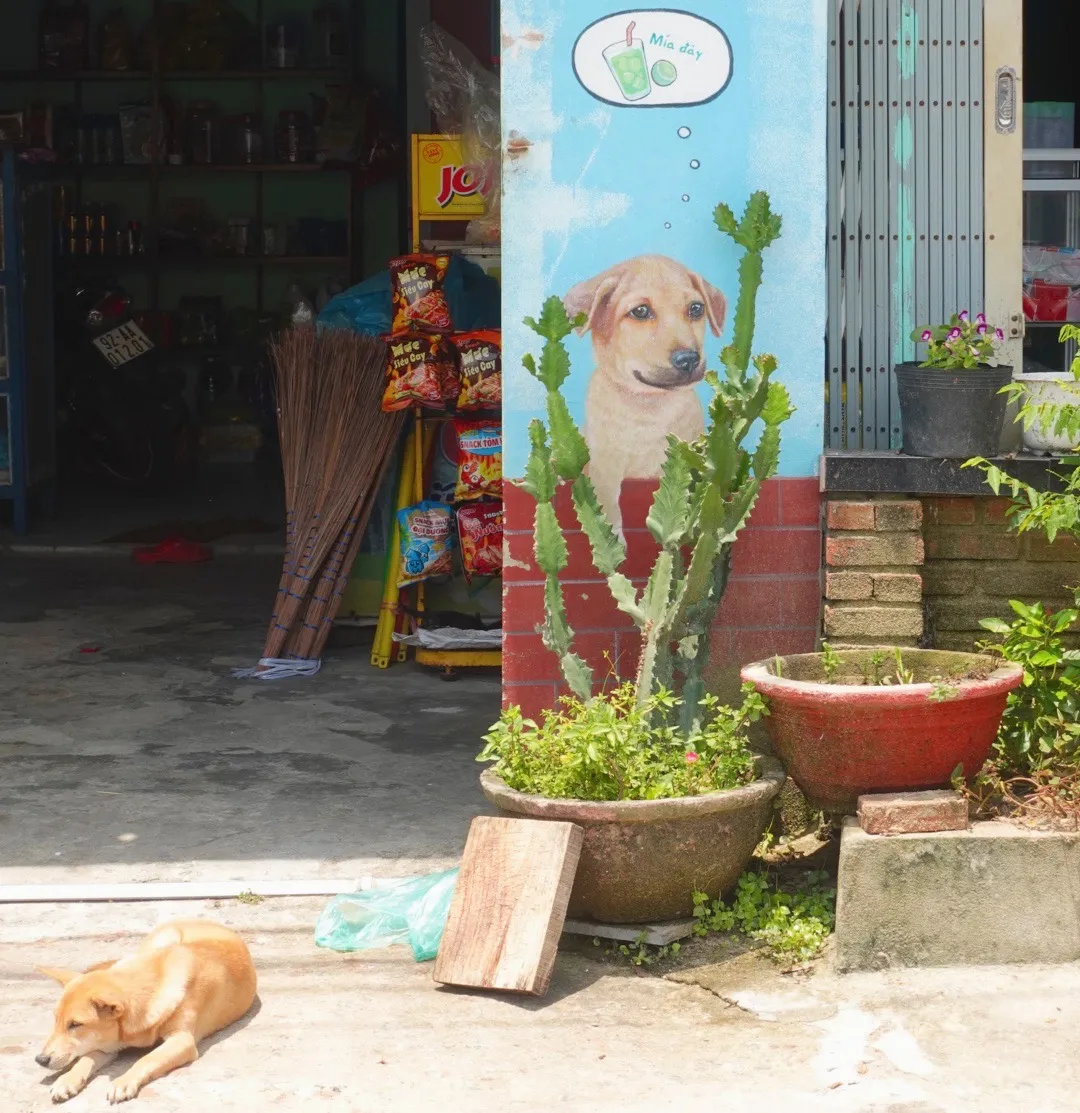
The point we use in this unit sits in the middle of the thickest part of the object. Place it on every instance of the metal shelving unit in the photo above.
(27, 409)
(157, 82)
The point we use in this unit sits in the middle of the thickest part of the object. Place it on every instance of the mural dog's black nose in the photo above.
(685, 360)
(41, 1060)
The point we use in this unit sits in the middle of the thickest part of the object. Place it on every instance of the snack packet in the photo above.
(426, 541)
(420, 368)
(480, 355)
(479, 460)
(480, 533)
(417, 295)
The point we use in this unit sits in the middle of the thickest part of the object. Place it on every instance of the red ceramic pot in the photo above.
(854, 735)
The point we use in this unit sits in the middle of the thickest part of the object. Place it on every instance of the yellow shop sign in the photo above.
(444, 186)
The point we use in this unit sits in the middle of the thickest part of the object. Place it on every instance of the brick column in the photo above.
(873, 589)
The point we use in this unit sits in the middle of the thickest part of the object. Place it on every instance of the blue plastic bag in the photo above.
(409, 910)
(472, 294)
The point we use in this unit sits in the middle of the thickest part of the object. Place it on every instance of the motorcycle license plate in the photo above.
(123, 343)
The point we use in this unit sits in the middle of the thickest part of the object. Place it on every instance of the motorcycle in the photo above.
(124, 416)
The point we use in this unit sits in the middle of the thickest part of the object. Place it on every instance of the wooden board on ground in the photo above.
(509, 904)
(656, 935)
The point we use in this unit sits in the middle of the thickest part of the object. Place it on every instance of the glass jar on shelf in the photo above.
(294, 140)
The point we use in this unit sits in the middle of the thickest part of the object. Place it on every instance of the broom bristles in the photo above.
(335, 444)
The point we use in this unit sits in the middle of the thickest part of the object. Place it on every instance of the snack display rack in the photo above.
(442, 191)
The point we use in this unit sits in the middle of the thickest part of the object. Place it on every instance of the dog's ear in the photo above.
(57, 973)
(715, 303)
(101, 966)
(108, 1008)
(593, 298)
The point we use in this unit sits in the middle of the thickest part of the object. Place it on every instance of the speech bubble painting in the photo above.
(653, 58)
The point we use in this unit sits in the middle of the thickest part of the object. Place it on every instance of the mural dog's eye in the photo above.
(642, 312)
(696, 311)
(73, 1025)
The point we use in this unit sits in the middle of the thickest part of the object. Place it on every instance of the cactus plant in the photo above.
(707, 489)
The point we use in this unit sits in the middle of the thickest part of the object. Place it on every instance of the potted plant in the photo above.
(657, 772)
(881, 719)
(951, 405)
(1050, 404)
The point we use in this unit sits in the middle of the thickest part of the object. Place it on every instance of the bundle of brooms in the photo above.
(336, 444)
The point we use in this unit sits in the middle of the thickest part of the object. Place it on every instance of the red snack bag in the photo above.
(479, 460)
(420, 369)
(417, 297)
(480, 355)
(480, 531)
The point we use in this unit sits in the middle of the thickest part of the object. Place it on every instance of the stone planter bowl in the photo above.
(842, 739)
(642, 859)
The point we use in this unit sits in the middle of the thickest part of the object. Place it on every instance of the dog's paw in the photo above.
(64, 1088)
(123, 1089)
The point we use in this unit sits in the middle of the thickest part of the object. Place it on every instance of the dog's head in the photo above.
(648, 318)
(87, 1018)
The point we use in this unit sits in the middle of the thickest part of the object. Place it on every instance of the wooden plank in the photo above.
(657, 935)
(509, 905)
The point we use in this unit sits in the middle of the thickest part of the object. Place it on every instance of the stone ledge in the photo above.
(994, 894)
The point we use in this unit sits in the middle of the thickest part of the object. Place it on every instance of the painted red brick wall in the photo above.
(772, 604)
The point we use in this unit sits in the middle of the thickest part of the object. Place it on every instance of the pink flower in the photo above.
(964, 315)
(983, 328)
(927, 335)
(981, 319)
(998, 334)
(954, 334)
(691, 757)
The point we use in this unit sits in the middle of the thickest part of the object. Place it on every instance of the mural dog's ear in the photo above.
(593, 298)
(715, 303)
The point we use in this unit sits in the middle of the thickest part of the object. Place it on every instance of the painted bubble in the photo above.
(663, 73)
(648, 57)
(686, 196)
(683, 133)
(694, 164)
(667, 223)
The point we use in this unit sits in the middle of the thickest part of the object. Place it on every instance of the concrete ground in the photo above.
(145, 760)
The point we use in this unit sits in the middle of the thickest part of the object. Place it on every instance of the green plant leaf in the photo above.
(626, 597)
(668, 516)
(569, 452)
(608, 549)
(549, 545)
(578, 675)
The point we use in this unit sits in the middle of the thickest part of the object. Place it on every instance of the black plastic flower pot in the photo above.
(951, 414)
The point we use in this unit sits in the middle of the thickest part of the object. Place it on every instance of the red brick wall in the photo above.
(772, 604)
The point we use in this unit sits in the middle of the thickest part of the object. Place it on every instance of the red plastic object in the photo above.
(173, 550)
(839, 741)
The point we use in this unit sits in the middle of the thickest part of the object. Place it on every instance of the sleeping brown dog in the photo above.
(647, 317)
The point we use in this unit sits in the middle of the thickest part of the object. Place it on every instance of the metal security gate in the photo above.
(905, 231)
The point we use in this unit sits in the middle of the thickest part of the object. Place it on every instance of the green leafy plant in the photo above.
(1052, 418)
(639, 953)
(618, 748)
(1039, 727)
(962, 344)
(830, 662)
(941, 691)
(706, 492)
(1055, 511)
(793, 925)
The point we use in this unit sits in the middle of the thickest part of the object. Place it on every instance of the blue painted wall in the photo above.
(606, 179)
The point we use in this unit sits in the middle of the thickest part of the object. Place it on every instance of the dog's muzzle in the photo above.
(42, 1060)
(686, 360)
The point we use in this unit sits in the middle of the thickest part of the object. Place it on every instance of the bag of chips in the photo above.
(426, 541)
(480, 533)
(417, 294)
(420, 369)
(479, 474)
(480, 355)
